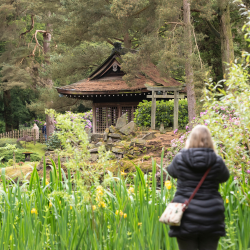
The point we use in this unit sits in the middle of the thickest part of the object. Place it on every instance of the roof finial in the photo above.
(117, 47)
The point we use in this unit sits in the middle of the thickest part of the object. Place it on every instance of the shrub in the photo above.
(53, 142)
(164, 113)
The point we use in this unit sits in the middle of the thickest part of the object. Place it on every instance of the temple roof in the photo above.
(107, 78)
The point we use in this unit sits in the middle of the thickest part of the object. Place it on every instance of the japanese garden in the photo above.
(96, 100)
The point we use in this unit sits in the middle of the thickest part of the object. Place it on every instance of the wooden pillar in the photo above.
(94, 118)
(153, 110)
(176, 107)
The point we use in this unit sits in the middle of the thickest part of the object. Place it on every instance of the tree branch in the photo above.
(31, 27)
(216, 33)
(178, 23)
(118, 39)
(108, 41)
(140, 11)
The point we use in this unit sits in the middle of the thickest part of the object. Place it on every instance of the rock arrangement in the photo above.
(119, 140)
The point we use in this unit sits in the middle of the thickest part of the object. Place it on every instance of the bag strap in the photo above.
(196, 189)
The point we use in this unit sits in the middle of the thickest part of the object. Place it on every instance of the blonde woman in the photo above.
(202, 223)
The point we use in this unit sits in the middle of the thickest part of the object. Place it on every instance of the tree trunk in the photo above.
(7, 110)
(227, 50)
(188, 63)
(46, 49)
(127, 41)
(49, 125)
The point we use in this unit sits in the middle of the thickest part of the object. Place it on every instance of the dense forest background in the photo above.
(47, 44)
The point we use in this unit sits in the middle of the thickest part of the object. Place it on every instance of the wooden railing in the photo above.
(16, 134)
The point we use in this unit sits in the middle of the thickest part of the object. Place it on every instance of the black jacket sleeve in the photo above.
(172, 168)
(224, 173)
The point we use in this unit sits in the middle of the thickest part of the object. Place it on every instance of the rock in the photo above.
(138, 141)
(105, 136)
(93, 157)
(96, 137)
(128, 129)
(109, 141)
(99, 144)
(149, 136)
(112, 129)
(162, 131)
(93, 150)
(121, 122)
(91, 145)
(115, 136)
(118, 150)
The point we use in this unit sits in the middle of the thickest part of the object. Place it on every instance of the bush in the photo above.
(164, 113)
(53, 142)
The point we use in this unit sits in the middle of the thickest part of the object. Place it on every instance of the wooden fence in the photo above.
(16, 134)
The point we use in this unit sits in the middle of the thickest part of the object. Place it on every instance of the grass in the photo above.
(38, 148)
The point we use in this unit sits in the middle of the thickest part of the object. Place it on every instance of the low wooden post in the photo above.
(94, 118)
(176, 109)
(153, 110)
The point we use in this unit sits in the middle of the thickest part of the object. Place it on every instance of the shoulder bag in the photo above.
(174, 211)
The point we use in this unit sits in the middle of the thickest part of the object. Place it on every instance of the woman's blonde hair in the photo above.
(200, 137)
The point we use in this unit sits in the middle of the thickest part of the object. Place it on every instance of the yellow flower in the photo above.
(121, 213)
(117, 212)
(123, 173)
(168, 184)
(237, 192)
(125, 216)
(34, 211)
(139, 223)
(102, 204)
(60, 202)
(131, 190)
(47, 182)
(50, 204)
(227, 200)
(70, 207)
(94, 207)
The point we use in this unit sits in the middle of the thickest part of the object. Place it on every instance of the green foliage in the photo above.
(2, 126)
(113, 217)
(164, 113)
(74, 141)
(5, 141)
(19, 156)
(53, 142)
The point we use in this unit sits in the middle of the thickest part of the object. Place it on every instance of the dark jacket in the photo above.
(205, 213)
(44, 129)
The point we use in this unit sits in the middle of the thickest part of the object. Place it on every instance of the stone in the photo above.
(162, 131)
(121, 121)
(112, 129)
(109, 141)
(115, 135)
(118, 150)
(138, 142)
(105, 136)
(96, 137)
(93, 157)
(128, 129)
(91, 145)
(149, 136)
(93, 150)
(99, 144)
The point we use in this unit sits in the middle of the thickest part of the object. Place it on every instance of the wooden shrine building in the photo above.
(110, 94)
